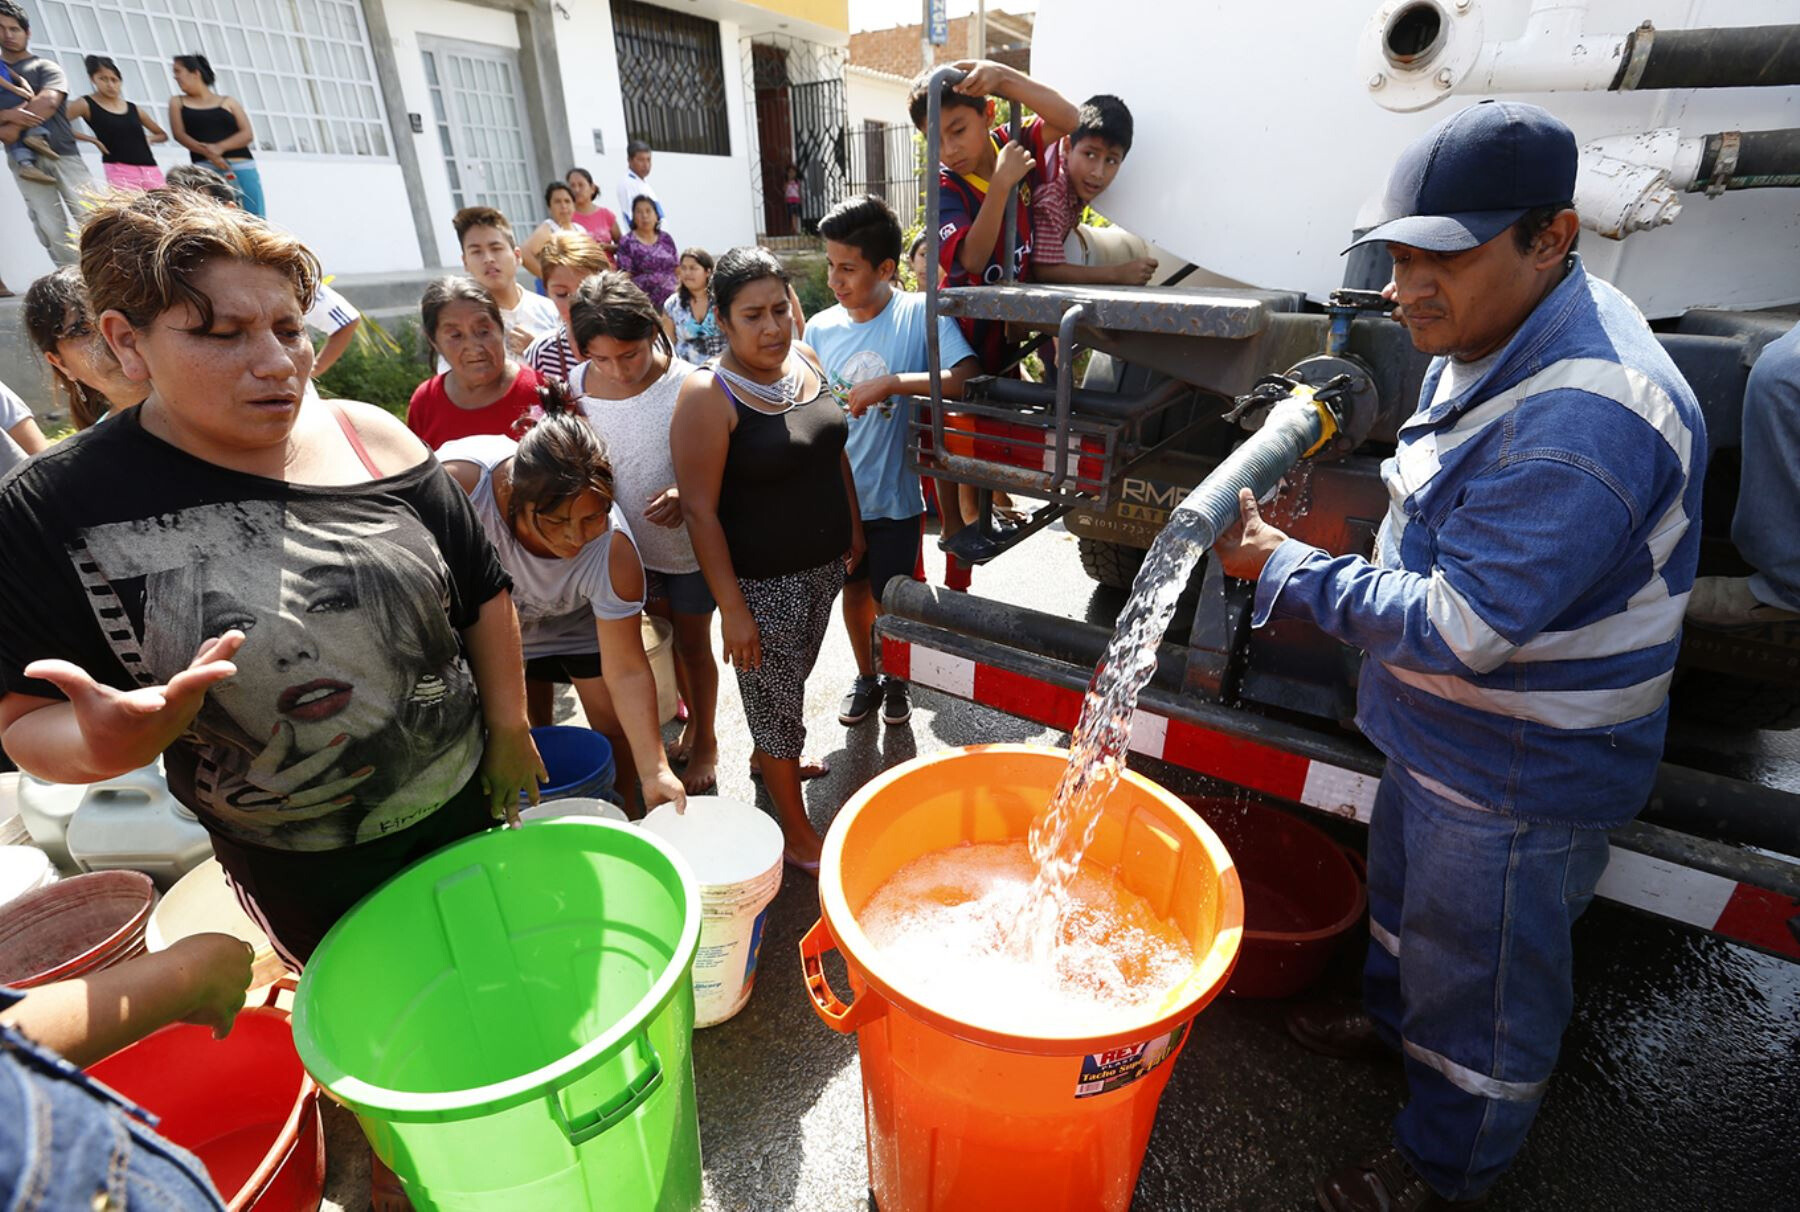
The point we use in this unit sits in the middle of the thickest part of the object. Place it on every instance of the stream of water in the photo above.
(1097, 751)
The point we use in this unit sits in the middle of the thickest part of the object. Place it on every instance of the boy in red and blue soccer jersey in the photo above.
(978, 167)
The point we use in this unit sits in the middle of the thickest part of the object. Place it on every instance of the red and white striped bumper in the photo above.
(1744, 912)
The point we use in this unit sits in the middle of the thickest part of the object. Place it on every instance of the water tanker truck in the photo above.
(1262, 357)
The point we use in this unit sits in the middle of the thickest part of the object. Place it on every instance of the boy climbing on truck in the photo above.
(873, 350)
(978, 166)
(1077, 170)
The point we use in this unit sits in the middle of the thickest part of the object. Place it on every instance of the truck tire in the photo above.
(1723, 700)
(1112, 564)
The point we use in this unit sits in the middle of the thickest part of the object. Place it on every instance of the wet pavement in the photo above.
(1679, 1086)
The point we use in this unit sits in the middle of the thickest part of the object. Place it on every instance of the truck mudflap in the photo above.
(1749, 896)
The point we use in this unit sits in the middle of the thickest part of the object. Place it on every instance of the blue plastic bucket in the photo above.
(580, 762)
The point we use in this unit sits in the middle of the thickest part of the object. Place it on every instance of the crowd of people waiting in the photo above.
(338, 629)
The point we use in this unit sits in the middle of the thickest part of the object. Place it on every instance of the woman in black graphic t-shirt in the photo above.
(286, 597)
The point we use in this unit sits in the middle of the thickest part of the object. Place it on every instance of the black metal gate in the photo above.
(801, 120)
(883, 159)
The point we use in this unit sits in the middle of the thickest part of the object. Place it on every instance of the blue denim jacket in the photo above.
(66, 1141)
(1523, 611)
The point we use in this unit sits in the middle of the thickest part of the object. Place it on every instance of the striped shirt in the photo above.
(552, 356)
(1523, 611)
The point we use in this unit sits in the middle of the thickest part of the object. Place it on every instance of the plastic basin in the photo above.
(243, 1105)
(963, 1116)
(1302, 893)
(578, 760)
(77, 925)
(511, 1020)
(202, 902)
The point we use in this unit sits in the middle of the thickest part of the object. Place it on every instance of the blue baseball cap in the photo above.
(1474, 175)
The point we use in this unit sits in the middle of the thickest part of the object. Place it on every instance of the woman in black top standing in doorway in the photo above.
(215, 129)
(119, 128)
(770, 506)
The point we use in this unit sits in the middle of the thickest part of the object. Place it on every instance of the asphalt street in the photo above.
(1677, 1087)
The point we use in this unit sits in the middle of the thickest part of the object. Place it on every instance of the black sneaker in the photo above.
(865, 692)
(896, 702)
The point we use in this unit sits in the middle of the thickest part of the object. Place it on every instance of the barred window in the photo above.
(302, 69)
(672, 75)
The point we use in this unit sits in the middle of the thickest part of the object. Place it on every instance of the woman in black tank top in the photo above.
(119, 128)
(766, 491)
(215, 129)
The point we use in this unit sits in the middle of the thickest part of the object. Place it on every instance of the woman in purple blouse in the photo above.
(648, 253)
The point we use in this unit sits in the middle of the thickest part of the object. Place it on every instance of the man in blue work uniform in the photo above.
(1520, 617)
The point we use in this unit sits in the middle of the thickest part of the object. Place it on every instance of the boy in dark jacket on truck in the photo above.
(979, 164)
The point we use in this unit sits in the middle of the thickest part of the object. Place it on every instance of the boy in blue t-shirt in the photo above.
(872, 346)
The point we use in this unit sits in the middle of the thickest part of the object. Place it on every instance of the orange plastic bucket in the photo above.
(961, 1117)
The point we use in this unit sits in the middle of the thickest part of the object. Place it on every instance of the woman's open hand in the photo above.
(511, 767)
(130, 728)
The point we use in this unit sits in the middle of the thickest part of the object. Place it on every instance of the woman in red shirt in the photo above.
(484, 391)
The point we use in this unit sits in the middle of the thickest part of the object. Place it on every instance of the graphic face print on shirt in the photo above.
(353, 713)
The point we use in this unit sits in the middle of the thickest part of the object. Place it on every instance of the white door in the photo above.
(477, 104)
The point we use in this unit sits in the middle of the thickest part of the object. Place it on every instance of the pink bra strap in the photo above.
(354, 438)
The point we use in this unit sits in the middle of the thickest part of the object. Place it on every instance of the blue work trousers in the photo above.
(1468, 973)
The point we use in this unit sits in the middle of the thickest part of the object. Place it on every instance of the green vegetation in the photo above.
(808, 276)
(378, 368)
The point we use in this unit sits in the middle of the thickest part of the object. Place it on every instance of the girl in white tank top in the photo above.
(627, 386)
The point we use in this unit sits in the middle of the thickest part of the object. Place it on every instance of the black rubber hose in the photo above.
(1766, 159)
(1751, 56)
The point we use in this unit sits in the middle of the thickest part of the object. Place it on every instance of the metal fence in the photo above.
(884, 159)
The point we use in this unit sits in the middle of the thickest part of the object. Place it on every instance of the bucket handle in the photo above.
(841, 1016)
(583, 1128)
(257, 1184)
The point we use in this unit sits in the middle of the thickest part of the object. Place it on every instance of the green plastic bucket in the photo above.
(511, 1020)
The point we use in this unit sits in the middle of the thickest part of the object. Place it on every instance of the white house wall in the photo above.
(407, 21)
(351, 210)
(871, 97)
(707, 198)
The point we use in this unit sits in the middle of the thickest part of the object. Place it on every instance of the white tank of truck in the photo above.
(1265, 130)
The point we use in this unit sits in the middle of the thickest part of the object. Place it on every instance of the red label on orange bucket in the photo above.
(1119, 1067)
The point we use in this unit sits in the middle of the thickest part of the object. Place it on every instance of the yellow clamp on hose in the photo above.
(1328, 426)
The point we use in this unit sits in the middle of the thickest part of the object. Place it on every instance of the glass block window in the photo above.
(301, 68)
(672, 75)
(476, 107)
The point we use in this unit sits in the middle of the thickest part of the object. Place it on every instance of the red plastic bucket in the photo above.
(244, 1105)
(1302, 893)
(73, 927)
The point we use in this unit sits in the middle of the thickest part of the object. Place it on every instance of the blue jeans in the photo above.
(248, 182)
(1769, 494)
(1468, 973)
(68, 1142)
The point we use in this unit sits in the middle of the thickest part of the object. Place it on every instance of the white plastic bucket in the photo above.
(659, 646)
(575, 806)
(12, 825)
(23, 869)
(735, 851)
